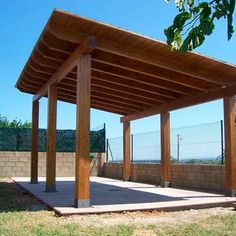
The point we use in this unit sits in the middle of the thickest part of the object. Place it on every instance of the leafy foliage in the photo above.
(4, 122)
(196, 21)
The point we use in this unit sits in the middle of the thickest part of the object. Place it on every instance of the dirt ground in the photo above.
(151, 218)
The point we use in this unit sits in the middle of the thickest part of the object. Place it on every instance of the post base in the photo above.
(126, 178)
(82, 203)
(34, 182)
(230, 193)
(165, 184)
(50, 189)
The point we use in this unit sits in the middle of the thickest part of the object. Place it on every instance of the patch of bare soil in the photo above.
(150, 218)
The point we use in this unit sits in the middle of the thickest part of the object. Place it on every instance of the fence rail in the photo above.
(193, 144)
(19, 139)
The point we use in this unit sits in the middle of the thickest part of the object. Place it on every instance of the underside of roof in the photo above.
(130, 73)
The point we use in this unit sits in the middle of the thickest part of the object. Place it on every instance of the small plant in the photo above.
(4, 122)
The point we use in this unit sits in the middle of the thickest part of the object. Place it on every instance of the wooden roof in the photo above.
(132, 75)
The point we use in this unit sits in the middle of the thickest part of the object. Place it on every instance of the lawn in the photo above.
(21, 214)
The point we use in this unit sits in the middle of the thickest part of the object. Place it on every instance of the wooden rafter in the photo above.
(85, 47)
(139, 55)
(131, 75)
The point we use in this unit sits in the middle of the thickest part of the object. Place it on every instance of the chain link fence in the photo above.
(19, 139)
(193, 144)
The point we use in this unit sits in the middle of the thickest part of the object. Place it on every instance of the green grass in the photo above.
(21, 214)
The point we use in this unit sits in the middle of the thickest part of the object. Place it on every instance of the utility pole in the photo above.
(179, 139)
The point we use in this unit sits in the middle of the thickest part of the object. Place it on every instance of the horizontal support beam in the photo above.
(84, 48)
(182, 103)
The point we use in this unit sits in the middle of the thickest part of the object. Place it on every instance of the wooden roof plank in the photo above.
(87, 45)
(140, 55)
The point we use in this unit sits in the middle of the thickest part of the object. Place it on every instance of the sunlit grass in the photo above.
(21, 214)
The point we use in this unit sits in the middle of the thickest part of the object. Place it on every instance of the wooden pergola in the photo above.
(94, 65)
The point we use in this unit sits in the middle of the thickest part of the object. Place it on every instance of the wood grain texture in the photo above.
(230, 143)
(51, 139)
(165, 149)
(85, 47)
(34, 143)
(126, 151)
(82, 186)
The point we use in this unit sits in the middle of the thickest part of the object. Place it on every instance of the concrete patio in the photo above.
(110, 195)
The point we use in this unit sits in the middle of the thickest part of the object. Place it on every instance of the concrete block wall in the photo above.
(206, 177)
(18, 164)
(113, 170)
(147, 173)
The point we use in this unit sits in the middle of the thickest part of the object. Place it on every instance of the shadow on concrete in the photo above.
(15, 199)
(109, 193)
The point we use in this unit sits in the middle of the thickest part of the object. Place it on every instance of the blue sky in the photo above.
(23, 20)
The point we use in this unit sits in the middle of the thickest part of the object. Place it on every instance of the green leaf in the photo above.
(177, 42)
(206, 11)
(180, 4)
(190, 3)
(180, 19)
(169, 32)
(231, 6)
(230, 26)
(194, 39)
(206, 26)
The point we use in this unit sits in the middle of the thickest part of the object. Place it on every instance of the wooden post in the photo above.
(126, 152)
(230, 145)
(165, 149)
(34, 143)
(82, 185)
(51, 140)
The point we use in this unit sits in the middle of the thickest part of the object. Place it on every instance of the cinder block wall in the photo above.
(207, 177)
(18, 164)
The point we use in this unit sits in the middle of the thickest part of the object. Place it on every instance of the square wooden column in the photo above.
(165, 149)
(51, 140)
(230, 145)
(34, 143)
(82, 185)
(126, 152)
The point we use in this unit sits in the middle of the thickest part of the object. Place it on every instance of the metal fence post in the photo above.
(104, 127)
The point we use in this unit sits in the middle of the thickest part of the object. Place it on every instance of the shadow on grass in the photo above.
(13, 198)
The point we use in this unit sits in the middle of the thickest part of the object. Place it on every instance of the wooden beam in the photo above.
(126, 152)
(230, 145)
(120, 94)
(136, 77)
(51, 140)
(82, 185)
(125, 93)
(85, 47)
(136, 84)
(165, 149)
(34, 143)
(145, 95)
(123, 66)
(147, 69)
(139, 55)
(182, 103)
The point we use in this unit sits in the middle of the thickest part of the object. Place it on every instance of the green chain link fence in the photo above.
(19, 139)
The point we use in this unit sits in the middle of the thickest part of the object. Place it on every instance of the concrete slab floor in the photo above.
(110, 195)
